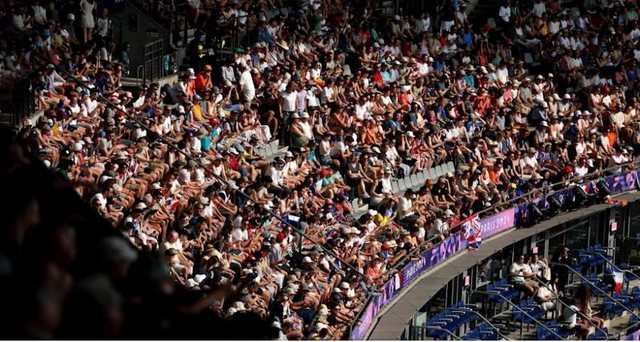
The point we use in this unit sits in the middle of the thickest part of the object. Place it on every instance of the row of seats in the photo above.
(417, 180)
(504, 292)
(484, 332)
(621, 301)
(594, 256)
(267, 150)
(527, 312)
(551, 330)
(450, 320)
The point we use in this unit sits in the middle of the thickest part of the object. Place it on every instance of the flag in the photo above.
(618, 279)
(472, 231)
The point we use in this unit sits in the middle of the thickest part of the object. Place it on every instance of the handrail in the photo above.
(565, 304)
(433, 327)
(595, 287)
(530, 193)
(614, 265)
(394, 268)
(140, 74)
(484, 319)
(519, 309)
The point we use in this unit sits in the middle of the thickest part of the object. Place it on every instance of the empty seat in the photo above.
(402, 186)
(439, 171)
(431, 174)
(414, 180)
(450, 167)
(394, 187)
(422, 177)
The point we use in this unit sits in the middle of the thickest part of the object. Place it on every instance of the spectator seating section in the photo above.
(482, 332)
(451, 319)
(546, 334)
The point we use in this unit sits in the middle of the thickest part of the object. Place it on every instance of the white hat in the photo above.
(539, 77)
(304, 115)
(567, 97)
(556, 97)
(156, 186)
(544, 124)
(448, 212)
(344, 285)
(373, 212)
(181, 109)
(288, 154)
(71, 16)
(410, 134)
(329, 216)
(375, 149)
(545, 105)
(355, 230)
(307, 260)
(140, 206)
(396, 17)
(239, 306)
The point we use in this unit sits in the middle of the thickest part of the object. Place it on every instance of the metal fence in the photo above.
(23, 101)
(153, 53)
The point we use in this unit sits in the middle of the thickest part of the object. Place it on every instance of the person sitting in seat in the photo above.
(522, 277)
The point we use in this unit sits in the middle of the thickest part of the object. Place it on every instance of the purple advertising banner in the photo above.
(498, 223)
(635, 336)
(491, 225)
(428, 259)
(616, 183)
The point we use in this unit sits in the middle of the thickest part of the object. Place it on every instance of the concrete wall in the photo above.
(134, 26)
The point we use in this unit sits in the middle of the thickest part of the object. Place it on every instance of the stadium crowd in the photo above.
(358, 100)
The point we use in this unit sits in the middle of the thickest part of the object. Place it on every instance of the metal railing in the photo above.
(519, 309)
(153, 53)
(571, 183)
(592, 285)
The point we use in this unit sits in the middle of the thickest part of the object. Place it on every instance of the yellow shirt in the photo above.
(197, 112)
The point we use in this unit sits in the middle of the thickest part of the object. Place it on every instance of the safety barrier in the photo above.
(404, 278)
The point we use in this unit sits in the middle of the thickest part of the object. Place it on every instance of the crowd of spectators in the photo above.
(359, 100)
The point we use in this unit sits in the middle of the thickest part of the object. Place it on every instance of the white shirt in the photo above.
(505, 13)
(248, 89)
(289, 101)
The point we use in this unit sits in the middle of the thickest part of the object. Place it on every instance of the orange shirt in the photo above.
(612, 138)
(203, 81)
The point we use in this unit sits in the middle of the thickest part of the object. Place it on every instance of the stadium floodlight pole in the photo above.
(595, 287)
(489, 293)
(433, 327)
(565, 304)
(220, 179)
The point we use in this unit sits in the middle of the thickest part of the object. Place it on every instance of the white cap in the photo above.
(307, 260)
(544, 124)
(71, 16)
(181, 109)
(448, 212)
(373, 212)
